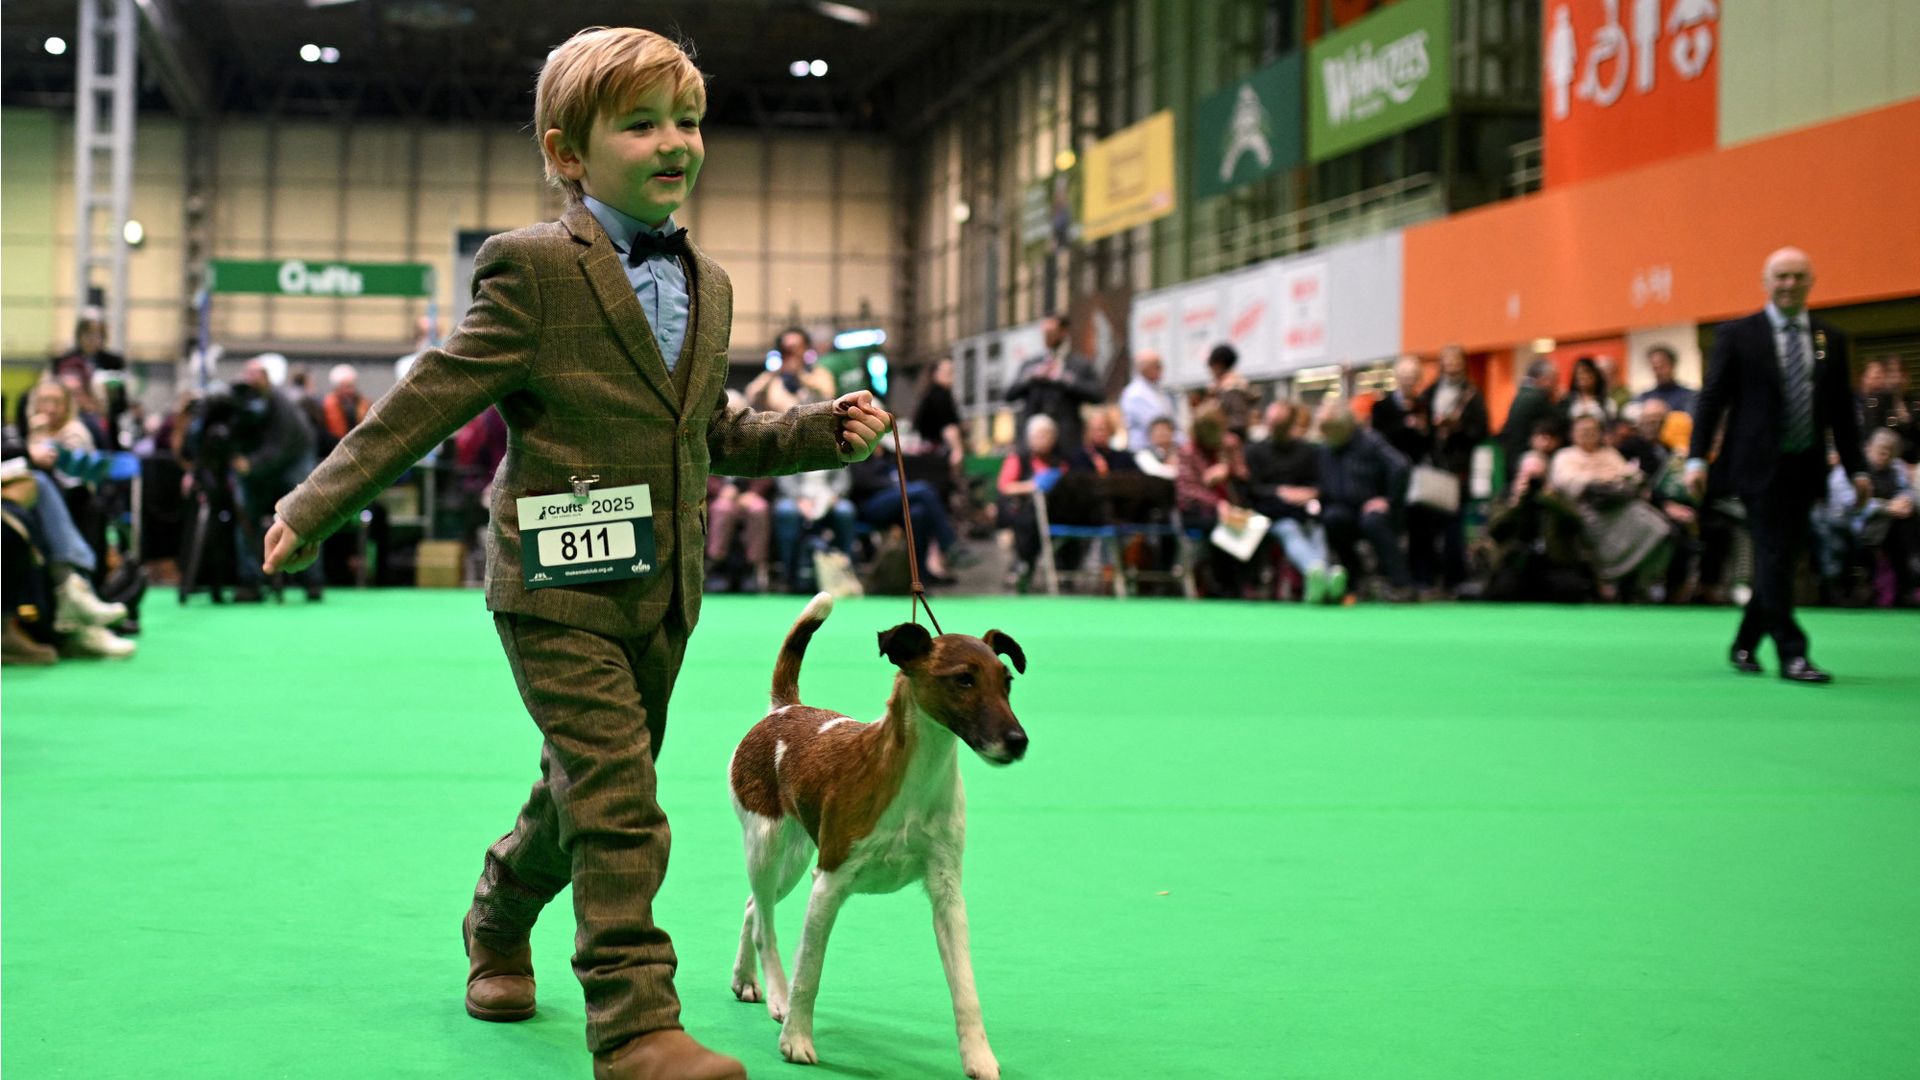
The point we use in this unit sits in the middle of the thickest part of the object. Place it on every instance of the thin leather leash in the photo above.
(918, 599)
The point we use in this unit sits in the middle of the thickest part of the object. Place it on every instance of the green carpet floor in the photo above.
(1249, 841)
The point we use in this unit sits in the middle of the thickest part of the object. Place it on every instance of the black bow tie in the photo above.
(645, 244)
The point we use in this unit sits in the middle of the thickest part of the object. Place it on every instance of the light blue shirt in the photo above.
(659, 282)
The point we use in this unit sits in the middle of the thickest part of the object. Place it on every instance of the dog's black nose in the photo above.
(1017, 743)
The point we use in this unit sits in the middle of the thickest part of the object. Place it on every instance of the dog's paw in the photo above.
(981, 1065)
(746, 989)
(798, 1048)
(777, 1006)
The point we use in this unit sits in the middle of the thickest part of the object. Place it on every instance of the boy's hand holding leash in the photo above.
(862, 423)
(286, 551)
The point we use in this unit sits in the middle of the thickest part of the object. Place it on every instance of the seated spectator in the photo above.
(812, 507)
(1096, 454)
(1587, 394)
(1641, 443)
(1539, 556)
(52, 563)
(739, 533)
(876, 501)
(1212, 488)
(1036, 468)
(1160, 456)
(1283, 476)
(1887, 530)
(1627, 536)
(1362, 480)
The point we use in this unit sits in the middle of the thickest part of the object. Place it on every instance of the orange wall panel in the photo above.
(1679, 241)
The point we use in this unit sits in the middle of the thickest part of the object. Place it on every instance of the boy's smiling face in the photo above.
(642, 162)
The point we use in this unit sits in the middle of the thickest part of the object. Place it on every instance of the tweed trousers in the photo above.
(592, 819)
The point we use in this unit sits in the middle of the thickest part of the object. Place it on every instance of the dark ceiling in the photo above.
(474, 60)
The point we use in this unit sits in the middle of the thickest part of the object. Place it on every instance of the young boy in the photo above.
(602, 338)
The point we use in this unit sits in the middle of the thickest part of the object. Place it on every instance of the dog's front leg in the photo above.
(830, 890)
(950, 930)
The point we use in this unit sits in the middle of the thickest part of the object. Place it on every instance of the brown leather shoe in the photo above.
(499, 984)
(665, 1055)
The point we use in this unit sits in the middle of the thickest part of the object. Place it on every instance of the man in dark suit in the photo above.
(1779, 378)
(1057, 383)
(1532, 404)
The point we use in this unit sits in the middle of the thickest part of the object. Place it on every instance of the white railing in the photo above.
(1394, 205)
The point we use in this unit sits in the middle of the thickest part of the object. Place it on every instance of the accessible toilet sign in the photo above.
(300, 277)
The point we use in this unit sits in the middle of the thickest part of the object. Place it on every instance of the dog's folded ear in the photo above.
(905, 643)
(1007, 647)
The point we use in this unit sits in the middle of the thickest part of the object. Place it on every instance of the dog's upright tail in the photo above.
(786, 669)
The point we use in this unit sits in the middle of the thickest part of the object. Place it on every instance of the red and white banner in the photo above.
(1627, 82)
(1303, 302)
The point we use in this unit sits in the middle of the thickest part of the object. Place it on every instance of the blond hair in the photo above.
(604, 70)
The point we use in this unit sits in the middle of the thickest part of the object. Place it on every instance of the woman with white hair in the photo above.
(1036, 468)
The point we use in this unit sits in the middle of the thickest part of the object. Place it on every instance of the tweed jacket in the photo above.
(556, 339)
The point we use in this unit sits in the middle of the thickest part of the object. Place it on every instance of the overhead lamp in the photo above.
(962, 212)
(1064, 160)
(1544, 345)
(134, 233)
(799, 69)
(310, 53)
(818, 68)
(57, 46)
(860, 339)
(845, 13)
(329, 55)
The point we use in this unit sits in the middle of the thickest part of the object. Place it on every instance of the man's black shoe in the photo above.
(1801, 669)
(246, 594)
(1745, 662)
(314, 594)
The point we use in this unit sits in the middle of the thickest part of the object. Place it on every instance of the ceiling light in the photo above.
(819, 69)
(798, 69)
(1544, 345)
(961, 212)
(845, 13)
(134, 233)
(57, 45)
(329, 55)
(1063, 161)
(310, 53)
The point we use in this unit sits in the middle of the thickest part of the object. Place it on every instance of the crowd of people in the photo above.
(1411, 494)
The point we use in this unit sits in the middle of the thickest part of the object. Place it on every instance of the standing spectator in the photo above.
(1453, 413)
(1056, 384)
(1145, 400)
(1229, 390)
(1397, 415)
(795, 382)
(300, 390)
(1884, 404)
(344, 408)
(1362, 478)
(1283, 474)
(1779, 379)
(1587, 395)
(1532, 404)
(1038, 467)
(937, 417)
(1663, 361)
(1211, 488)
(278, 458)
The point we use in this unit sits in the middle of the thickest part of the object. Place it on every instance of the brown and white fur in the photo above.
(880, 802)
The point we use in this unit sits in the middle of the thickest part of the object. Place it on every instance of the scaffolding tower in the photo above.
(103, 156)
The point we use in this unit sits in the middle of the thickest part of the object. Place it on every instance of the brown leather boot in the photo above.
(17, 647)
(499, 984)
(665, 1055)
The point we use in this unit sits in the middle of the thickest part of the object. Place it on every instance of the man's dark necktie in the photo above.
(1799, 392)
(645, 244)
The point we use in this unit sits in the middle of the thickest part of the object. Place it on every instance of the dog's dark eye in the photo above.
(965, 681)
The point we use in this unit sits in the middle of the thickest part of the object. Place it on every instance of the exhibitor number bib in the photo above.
(607, 536)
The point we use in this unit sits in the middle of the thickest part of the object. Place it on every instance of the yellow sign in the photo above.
(1128, 178)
